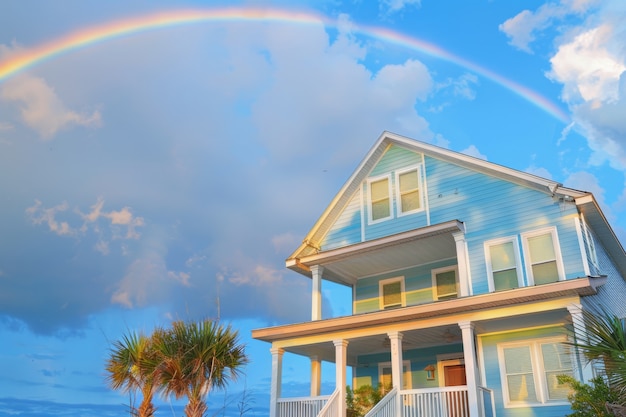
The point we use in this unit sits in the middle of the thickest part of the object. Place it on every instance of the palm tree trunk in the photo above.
(195, 408)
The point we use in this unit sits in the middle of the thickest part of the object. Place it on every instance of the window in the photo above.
(591, 247)
(408, 191)
(529, 371)
(445, 285)
(384, 374)
(543, 257)
(391, 293)
(503, 264)
(380, 201)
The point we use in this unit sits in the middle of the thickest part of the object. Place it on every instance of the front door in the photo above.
(454, 375)
(456, 401)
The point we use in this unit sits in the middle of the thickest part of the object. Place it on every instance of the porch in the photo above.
(426, 402)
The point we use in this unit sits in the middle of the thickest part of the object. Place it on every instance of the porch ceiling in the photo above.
(433, 324)
(403, 250)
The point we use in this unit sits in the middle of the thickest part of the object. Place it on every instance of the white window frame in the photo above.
(370, 211)
(518, 260)
(407, 382)
(590, 243)
(420, 190)
(538, 371)
(557, 252)
(437, 271)
(381, 285)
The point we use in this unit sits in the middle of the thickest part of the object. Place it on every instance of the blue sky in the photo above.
(167, 174)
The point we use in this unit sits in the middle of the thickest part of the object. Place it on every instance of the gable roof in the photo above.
(584, 200)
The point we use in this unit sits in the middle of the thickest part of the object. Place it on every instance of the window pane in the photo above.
(408, 181)
(505, 280)
(502, 256)
(380, 190)
(545, 273)
(556, 361)
(519, 370)
(446, 284)
(410, 201)
(380, 209)
(392, 294)
(541, 248)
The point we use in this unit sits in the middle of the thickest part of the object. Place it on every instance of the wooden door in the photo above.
(454, 375)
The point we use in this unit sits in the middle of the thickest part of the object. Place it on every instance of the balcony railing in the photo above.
(301, 406)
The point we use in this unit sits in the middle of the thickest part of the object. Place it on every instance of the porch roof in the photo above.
(315, 337)
(402, 250)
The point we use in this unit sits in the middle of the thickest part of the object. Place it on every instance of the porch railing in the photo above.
(488, 406)
(385, 407)
(301, 406)
(435, 402)
(331, 409)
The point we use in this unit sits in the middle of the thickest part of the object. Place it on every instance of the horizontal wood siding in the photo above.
(347, 229)
(366, 371)
(492, 208)
(492, 372)
(396, 158)
(417, 284)
(610, 295)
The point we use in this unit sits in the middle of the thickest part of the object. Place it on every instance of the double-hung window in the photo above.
(529, 371)
(542, 256)
(503, 264)
(391, 293)
(408, 191)
(445, 284)
(379, 198)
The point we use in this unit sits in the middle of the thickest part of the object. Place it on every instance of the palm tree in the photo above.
(131, 368)
(195, 358)
(605, 345)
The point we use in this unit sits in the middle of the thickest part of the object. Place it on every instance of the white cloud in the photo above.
(40, 107)
(590, 63)
(395, 6)
(522, 28)
(38, 215)
(587, 67)
(472, 150)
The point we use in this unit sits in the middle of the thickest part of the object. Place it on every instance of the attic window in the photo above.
(380, 201)
(409, 195)
(543, 257)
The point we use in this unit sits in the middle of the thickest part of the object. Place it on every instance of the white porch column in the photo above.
(395, 339)
(471, 369)
(462, 262)
(576, 311)
(341, 360)
(277, 375)
(396, 358)
(316, 376)
(316, 293)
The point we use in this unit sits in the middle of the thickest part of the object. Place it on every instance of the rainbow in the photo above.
(31, 57)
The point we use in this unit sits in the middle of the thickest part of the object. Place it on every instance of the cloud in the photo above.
(590, 63)
(472, 150)
(523, 27)
(40, 107)
(395, 6)
(119, 224)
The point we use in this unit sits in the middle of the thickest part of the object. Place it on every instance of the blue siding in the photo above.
(366, 372)
(417, 284)
(611, 295)
(492, 373)
(347, 228)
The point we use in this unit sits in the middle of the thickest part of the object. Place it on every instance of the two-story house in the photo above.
(464, 274)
